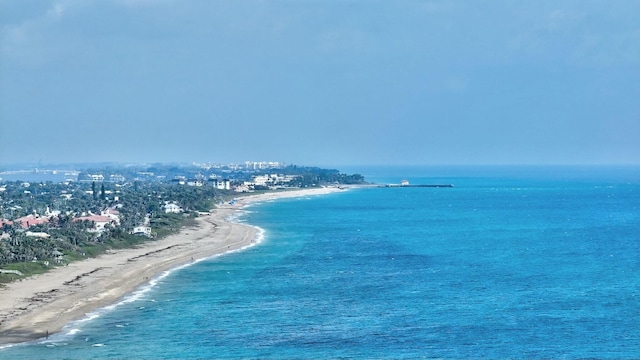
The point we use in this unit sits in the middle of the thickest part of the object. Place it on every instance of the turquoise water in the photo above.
(510, 263)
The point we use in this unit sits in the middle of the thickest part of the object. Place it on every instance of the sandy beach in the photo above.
(43, 304)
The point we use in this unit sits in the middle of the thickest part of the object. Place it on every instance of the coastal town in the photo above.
(47, 221)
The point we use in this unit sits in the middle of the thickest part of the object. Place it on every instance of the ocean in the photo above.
(512, 262)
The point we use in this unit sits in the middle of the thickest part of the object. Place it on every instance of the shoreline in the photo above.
(42, 305)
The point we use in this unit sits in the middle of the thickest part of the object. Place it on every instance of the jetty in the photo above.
(405, 184)
(417, 186)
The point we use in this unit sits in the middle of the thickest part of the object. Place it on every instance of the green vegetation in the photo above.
(69, 239)
(24, 268)
(50, 224)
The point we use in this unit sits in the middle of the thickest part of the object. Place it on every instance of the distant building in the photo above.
(172, 208)
(112, 213)
(99, 221)
(142, 231)
(116, 178)
(85, 177)
(42, 235)
(224, 184)
(243, 188)
(262, 180)
(49, 213)
(258, 165)
(4, 235)
(31, 220)
(272, 179)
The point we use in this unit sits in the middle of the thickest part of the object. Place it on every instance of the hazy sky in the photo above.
(320, 82)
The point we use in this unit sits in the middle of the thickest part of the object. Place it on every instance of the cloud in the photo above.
(328, 63)
(57, 10)
(24, 41)
(65, 30)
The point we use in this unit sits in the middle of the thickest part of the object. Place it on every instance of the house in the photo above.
(59, 256)
(142, 231)
(262, 180)
(4, 235)
(31, 220)
(99, 221)
(244, 188)
(41, 235)
(172, 208)
(273, 179)
(49, 213)
(224, 184)
(116, 178)
(112, 213)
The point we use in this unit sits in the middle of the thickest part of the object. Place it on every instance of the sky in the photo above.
(320, 82)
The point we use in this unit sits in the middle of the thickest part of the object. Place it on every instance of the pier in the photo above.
(405, 184)
(417, 186)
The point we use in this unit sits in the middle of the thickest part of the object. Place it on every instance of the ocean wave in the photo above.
(75, 327)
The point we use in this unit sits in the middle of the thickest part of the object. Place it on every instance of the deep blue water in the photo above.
(510, 263)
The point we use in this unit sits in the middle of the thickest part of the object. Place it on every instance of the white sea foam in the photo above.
(73, 331)
(75, 327)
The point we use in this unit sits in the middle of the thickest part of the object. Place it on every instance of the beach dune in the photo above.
(43, 304)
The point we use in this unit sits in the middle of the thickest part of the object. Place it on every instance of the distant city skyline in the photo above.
(324, 83)
(206, 164)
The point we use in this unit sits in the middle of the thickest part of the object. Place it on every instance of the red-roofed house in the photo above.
(99, 220)
(113, 214)
(4, 235)
(32, 220)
